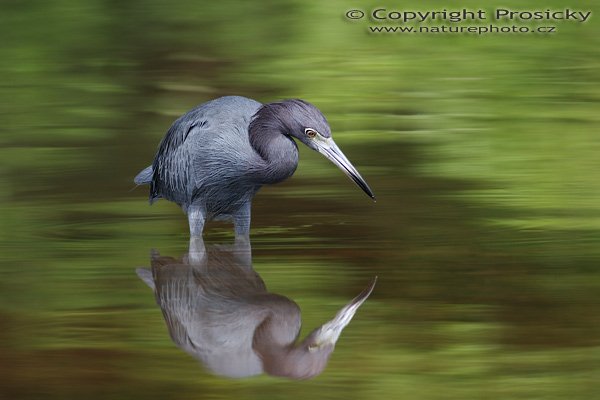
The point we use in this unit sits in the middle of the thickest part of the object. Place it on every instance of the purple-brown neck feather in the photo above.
(288, 358)
(265, 125)
(269, 134)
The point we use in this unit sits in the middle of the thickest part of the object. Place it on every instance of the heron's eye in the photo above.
(313, 347)
(311, 133)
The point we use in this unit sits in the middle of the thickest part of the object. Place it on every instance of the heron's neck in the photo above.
(269, 138)
(282, 355)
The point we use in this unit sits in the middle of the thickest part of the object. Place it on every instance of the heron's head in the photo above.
(309, 357)
(303, 121)
(323, 339)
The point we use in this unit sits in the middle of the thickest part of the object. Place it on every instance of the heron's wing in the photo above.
(178, 298)
(146, 276)
(172, 166)
(202, 147)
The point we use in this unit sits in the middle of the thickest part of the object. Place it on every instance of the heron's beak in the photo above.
(330, 331)
(329, 149)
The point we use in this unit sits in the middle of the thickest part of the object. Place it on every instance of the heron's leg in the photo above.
(196, 220)
(242, 251)
(197, 251)
(242, 248)
(241, 222)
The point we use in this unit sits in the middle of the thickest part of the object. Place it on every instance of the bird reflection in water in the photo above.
(218, 309)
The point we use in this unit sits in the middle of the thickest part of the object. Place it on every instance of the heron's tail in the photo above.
(144, 177)
(146, 275)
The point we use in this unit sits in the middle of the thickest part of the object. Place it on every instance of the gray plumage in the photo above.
(218, 309)
(214, 158)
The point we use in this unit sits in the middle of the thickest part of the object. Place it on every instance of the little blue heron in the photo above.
(214, 158)
(218, 310)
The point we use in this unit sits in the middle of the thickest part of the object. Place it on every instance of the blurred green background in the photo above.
(483, 152)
